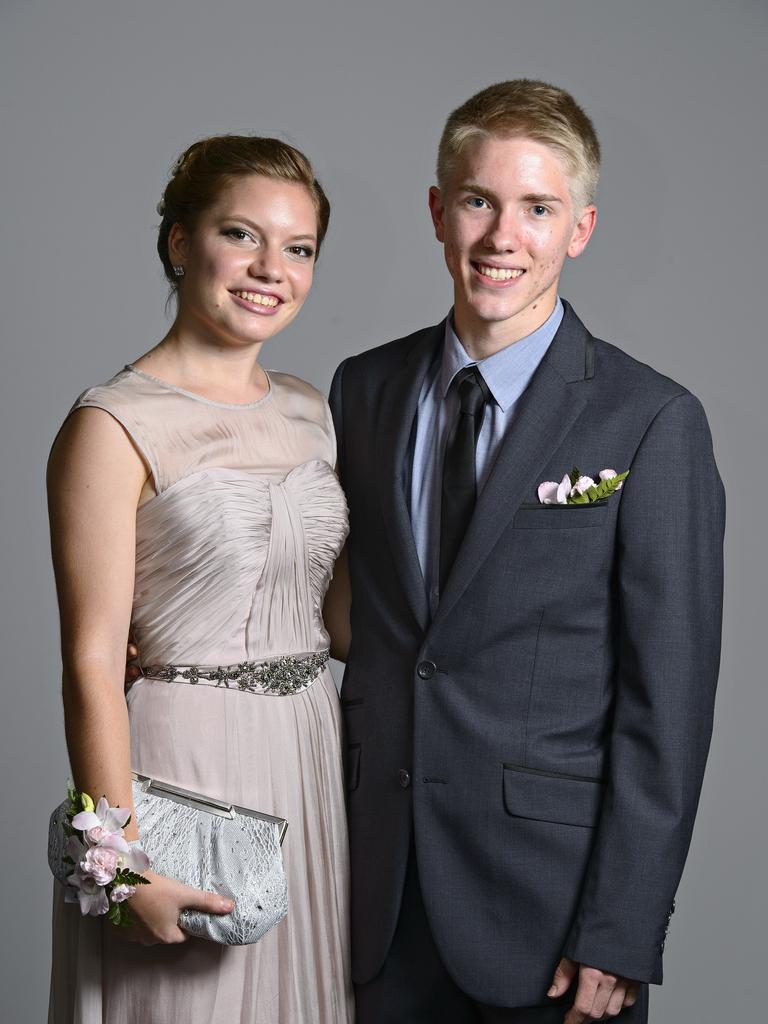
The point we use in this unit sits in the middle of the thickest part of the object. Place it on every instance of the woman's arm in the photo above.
(336, 608)
(95, 479)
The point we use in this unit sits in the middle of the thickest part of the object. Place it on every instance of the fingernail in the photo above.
(227, 905)
(552, 991)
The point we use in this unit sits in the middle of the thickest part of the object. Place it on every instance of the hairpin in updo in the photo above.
(178, 165)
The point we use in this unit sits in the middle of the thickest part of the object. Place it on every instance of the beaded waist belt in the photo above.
(278, 677)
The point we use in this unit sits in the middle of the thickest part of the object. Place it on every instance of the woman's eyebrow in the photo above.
(257, 227)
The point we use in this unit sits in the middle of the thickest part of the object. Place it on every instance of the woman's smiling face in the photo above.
(248, 262)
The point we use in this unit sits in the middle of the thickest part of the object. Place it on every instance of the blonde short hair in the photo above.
(530, 109)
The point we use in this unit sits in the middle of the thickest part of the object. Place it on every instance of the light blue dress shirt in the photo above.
(507, 374)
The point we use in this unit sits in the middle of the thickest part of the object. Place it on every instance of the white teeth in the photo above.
(497, 274)
(262, 300)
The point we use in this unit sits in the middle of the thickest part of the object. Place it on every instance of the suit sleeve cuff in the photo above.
(636, 964)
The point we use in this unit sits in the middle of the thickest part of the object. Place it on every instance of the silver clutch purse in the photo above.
(209, 845)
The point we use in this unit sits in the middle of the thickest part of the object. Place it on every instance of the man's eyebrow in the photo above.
(529, 197)
(471, 186)
(541, 197)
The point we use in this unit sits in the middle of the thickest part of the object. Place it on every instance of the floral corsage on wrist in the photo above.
(106, 866)
(575, 489)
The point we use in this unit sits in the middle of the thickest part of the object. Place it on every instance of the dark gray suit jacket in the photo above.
(545, 735)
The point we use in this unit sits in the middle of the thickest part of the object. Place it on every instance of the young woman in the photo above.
(193, 499)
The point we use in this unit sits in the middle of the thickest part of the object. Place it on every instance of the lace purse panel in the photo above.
(207, 844)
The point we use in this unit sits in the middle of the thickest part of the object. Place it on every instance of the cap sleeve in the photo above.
(113, 399)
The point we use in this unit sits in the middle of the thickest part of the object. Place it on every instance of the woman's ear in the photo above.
(178, 244)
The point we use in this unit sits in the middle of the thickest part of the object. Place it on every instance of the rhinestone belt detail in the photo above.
(279, 677)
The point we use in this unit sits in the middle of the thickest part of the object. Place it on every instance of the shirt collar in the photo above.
(501, 371)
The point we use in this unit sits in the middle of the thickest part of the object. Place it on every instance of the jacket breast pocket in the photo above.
(550, 796)
(560, 517)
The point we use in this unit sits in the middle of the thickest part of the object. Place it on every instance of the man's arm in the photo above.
(336, 606)
(338, 598)
(336, 403)
(669, 588)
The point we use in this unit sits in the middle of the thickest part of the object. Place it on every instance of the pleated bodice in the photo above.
(235, 550)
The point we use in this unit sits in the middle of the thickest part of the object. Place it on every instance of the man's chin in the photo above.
(493, 313)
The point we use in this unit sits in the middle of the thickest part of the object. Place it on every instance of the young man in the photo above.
(530, 686)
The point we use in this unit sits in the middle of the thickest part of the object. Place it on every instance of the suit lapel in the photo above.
(398, 409)
(545, 413)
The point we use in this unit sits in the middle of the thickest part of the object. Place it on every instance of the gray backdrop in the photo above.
(99, 97)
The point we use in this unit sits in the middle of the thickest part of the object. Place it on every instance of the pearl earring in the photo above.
(178, 270)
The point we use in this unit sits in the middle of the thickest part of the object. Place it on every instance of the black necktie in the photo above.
(459, 472)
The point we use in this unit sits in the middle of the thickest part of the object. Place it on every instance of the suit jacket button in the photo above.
(426, 669)
(404, 777)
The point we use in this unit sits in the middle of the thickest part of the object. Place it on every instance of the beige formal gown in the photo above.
(233, 558)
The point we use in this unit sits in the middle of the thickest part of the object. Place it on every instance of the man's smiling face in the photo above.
(507, 221)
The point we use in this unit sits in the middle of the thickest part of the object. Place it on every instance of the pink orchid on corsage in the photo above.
(106, 867)
(575, 489)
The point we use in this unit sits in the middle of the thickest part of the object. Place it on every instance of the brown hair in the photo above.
(531, 109)
(209, 166)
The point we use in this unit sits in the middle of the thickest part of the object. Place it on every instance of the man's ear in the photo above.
(436, 209)
(178, 244)
(582, 231)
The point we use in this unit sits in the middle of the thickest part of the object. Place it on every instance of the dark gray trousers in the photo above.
(413, 986)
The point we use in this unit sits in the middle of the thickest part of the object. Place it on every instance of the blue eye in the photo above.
(539, 210)
(473, 200)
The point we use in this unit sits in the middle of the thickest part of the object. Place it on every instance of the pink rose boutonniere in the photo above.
(575, 489)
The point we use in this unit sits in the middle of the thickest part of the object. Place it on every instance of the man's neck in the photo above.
(482, 338)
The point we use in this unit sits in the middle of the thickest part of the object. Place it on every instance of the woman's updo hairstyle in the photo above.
(211, 165)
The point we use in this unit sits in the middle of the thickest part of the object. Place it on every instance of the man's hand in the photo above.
(132, 670)
(599, 996)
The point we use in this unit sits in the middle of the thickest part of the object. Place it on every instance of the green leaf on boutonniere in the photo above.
(120, 915)
(574, 476)
(614, 482)
(126, 877)
(607, 487)
(73, 805)
(603, 489)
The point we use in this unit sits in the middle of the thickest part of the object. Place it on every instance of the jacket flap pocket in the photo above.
(543, 796)
(560, 517)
